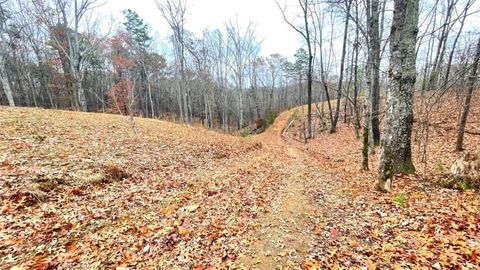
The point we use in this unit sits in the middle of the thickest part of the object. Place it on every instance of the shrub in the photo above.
(261, 123)
(271, 117)
(459, 183)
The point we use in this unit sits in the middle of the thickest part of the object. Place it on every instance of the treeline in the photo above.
(54, 55)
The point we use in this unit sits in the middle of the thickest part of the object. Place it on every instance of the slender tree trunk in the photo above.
(342, 65)
(309, 72)
(375, 81)
(432, 83)
(180, 99)
(396, 155)
(324, 79)
(452, 52)
(466, 107)
(240, 108)
(300, 89)
(82, 98)
(367, 105)
(367, 134)
(356, 112)
(149, 87)
(347, 102)
(309, 94)
(355, 81)
(366, 117)
(205, 108)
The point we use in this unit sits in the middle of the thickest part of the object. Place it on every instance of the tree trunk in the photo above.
(432, 83)
(466, 107)
(309, 73)
(452, 52)
(355, 81)
(74, 60)
(309, 95)
(396, 156)
(367, 117)
(82, 98)
(375, 66)
(367, 109)
(149, 87)
(240, 108)
(5, 84)
(342, 65)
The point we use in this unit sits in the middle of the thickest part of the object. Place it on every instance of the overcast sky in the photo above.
(277, 36)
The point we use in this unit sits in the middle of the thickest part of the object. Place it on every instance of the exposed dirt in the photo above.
(284, 237)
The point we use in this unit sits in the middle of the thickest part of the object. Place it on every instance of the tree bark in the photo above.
(466, 107)
(375, 66)
(396, 155)
(5, 83)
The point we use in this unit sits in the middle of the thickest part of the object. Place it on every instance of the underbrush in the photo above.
(260, 126)
(459, 183)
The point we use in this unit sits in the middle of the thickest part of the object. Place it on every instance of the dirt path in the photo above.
(284, 237)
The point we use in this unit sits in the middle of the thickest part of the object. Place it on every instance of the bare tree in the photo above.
(72, 19)
(218, 55)
(174, 12)
(305, 33)
(433, 86)
(242, 46)
(466, 106)
(348, 4)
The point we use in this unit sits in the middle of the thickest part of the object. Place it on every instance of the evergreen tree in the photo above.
(136, 27)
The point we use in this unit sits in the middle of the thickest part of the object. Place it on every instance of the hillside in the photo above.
(187, 193)
(88, 191)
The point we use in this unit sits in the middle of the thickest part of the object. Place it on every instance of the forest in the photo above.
(123, 150)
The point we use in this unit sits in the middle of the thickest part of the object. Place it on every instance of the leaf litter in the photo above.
(83, 191)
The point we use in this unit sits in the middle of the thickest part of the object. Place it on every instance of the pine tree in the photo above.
(136, 27)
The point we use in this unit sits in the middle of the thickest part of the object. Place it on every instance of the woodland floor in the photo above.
(84, 191)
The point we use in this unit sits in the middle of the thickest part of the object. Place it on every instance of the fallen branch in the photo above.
(449, 128)
(288, 126)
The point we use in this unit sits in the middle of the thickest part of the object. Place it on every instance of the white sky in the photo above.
(276, 35)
